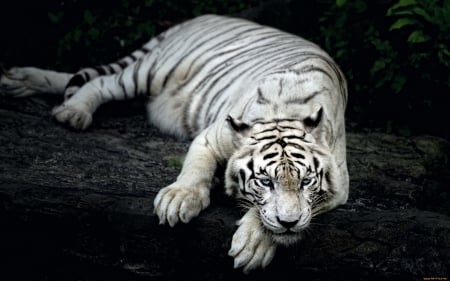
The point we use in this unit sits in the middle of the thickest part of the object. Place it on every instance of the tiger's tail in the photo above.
(28, 81)
(87, 74)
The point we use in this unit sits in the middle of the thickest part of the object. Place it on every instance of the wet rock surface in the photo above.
(78, 206)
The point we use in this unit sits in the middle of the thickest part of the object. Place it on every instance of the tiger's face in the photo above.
(281, 171)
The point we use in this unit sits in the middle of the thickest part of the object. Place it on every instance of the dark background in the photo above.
(395, 54)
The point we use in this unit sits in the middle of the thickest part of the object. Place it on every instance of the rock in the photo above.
(78, 206)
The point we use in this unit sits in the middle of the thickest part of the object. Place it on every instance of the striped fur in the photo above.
(267, 104)
(285, 176)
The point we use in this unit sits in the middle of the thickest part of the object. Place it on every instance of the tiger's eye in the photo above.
(266, 183)
(306, 181)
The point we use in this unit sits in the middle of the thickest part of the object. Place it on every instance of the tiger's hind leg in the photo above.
(27, 81)
(78, 108)
(93, 86)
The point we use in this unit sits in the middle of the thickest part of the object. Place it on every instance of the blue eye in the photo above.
(266, 183)
(307, 182)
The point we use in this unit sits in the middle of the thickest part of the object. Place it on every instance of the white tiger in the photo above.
(267, 104)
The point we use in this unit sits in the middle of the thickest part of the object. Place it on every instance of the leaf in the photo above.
(404, 3)
(89, 17)
(400, 6)
(398, 83)
(377, 66)
(423, 13)
(401, 22)
(148, 3)
(77, 33)
(402, 13)
(389, 126)
(340, 3)
(176, 162)
(404, 131)
(444, 55)
(94, 33)
(55, 17)
(417, 36)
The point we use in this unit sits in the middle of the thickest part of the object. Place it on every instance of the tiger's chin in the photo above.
(286, 238)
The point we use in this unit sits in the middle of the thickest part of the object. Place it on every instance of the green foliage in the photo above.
(121, 26)
(85, 26)
(426, 21)
(176, 162)
(396, 57)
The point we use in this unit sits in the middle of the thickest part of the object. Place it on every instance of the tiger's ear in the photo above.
(312, 121)
(328, 172)
(238, 126)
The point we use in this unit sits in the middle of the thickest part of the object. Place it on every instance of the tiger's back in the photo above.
(207, 73)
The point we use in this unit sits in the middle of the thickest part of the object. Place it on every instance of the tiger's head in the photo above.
(281, 171)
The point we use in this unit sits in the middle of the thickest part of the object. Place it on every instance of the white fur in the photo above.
(27, 81)
(251, 247)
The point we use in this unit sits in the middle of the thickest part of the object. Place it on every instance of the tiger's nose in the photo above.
(287, 224)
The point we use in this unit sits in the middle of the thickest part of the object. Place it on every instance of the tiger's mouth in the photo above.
(287, 237)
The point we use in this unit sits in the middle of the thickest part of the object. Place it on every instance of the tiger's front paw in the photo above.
(251, 247)
(76, 115)
(174, 203)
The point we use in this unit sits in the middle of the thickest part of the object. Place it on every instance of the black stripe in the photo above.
(266, 130)
(122, 84)
(250, 165)
(287, 127)
(293, 137)
(242, 175)
(265, 138)
(49, 83)
(267, 146)
(122, 64)
(316, 163)
(133, 57)
(150, 76)
(110, 69)
(135, 75)
(278, 120)
(329, 182)
(224, 104)
(145, 49)
(86, 76)
(111, 94)
(298, 155)
(305, 99)
(313, 68)
(234, 178)
(281, 87)
(261, 99)
(100, 70)
(270, 155)
(297, 146)
(76, 80)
